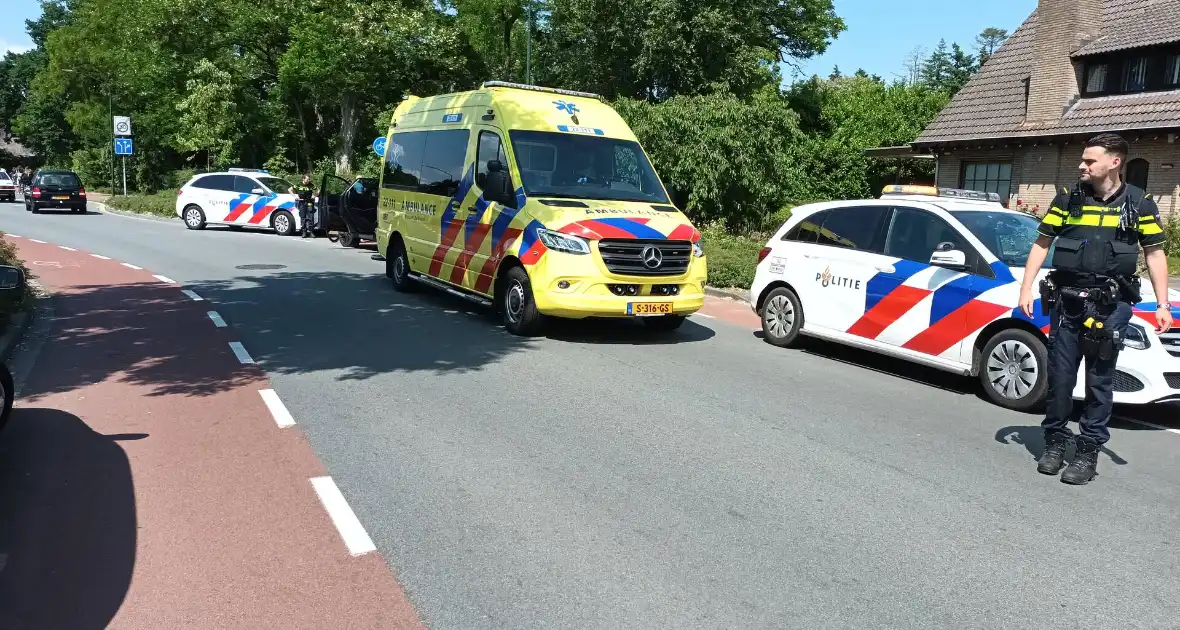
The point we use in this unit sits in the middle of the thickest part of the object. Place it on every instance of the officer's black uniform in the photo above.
(306, 211)
(1090, 291)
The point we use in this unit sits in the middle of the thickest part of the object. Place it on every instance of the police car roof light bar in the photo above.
(538, 88)
(935, 191)
(248, 170)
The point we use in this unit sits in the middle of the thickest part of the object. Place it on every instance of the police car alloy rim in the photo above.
(281, 224)
(192, 216)
(514, 302)
(1012, 369)
(780, 315)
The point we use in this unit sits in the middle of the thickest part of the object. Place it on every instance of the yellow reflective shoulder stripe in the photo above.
(1150, 229)
(1056, 210)
(1094, 220)
(1146, 218)
(1052, 219)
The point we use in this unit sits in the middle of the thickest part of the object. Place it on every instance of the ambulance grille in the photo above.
(1124, 382)
(625, 257)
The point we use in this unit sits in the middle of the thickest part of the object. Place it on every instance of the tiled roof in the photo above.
(992, 104)
(1134, 23)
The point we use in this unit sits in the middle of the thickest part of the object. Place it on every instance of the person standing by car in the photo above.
(306, 213)
(1098, 228)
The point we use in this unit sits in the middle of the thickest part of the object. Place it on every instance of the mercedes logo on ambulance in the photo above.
(652, 256)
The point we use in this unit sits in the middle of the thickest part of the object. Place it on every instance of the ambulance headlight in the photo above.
(1136, 337)
(564, 242)
(697, 250)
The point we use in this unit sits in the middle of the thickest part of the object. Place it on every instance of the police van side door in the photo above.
(846, 255)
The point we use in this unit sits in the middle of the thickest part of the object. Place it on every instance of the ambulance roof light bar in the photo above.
(538, 88)
(935, 191)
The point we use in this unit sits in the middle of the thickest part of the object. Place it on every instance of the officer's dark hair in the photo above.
(1112, 142)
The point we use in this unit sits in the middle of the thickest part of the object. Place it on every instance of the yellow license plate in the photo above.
(61, 197)
(649, 308)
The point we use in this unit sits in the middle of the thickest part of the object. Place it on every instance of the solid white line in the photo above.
(37, 241)
(68, 249)
(1149, 424)
(15, 235)
(165, 279)
(240, 352)
(277, 408)
(131, 266)
(100, 257)
(193, 295)
(217, 321)
(355, 537)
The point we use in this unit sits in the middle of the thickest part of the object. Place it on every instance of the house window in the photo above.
(1172, 71)
(1096, 78)
(1135, 74)
(1137, 173)
(988, 177)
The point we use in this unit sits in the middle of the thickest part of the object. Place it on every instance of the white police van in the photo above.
(932, 275)
(238, 197)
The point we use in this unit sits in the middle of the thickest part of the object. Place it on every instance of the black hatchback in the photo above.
(55, 189)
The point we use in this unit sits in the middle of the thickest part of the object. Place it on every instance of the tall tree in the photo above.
(963, 66)
(988, 41)
(936, 69)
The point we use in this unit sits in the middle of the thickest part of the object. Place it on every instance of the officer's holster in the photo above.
(1093, 306)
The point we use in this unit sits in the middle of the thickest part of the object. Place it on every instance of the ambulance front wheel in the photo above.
(397, 266)
(284, 223)
(517, 307)
(194, 218)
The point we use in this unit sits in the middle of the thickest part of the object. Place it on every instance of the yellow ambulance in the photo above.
(538, 201)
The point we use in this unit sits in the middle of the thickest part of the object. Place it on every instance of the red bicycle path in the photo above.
(144, 482)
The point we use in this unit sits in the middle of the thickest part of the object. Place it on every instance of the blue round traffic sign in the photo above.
(379, 146)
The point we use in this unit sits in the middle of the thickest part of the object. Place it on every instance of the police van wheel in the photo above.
(782, 317)
(397, 267)
(194, 218)
(517, 308)
(284, 223)
(1013, 370)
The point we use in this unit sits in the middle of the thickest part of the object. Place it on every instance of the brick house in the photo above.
(1075, 68)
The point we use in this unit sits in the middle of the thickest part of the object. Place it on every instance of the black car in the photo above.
(348, 212)
(55, 189)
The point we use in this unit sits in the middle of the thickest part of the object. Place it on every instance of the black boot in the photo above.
(1053, 458)
(1084, 466)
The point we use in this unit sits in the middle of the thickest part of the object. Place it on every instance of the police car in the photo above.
(932, 275)
(238, 197)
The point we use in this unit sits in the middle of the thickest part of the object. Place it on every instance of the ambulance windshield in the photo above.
(1008, 235)
(583, 166)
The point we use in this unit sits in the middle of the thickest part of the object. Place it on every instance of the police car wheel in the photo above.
(517, 307)
(1013, 370)
(283, 223)
(782, 317)
(397, 266)
(194, 218)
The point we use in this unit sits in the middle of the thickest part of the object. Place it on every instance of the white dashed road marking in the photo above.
(193, 295)
(355, 537)
(1149, 424)
(240, 352)
(277, 408)
(165, 279)
(15, 235)
(68, 249)
(705, 316)
(131, 266)
(100, 257)
(217, 321)
(36, 241)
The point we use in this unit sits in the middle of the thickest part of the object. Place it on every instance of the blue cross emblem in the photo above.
(568, 108)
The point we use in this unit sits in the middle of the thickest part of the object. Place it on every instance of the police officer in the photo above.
(1099, 226)
(306, 211)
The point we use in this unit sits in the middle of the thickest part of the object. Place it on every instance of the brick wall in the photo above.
(1039, 172)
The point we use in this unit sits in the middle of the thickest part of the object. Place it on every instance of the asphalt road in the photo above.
(597, 478)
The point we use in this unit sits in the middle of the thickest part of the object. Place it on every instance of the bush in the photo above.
(162, 204)
(732, 259)
(11, 303)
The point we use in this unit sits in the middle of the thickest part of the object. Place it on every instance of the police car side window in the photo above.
(807, 230)
(915, 234)
(856, 228)
(403, 160)
(215, 182)
(245, 184)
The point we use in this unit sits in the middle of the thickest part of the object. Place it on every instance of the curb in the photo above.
(740, 295)
(102, 207)
(16, 330)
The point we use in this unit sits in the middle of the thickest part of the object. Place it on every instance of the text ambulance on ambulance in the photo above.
(536, 200)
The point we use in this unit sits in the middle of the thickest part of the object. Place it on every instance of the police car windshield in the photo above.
(276, 184)
(587, 166)
(4, 176)
(1008, 235)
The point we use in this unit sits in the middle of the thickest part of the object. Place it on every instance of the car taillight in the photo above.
(36, 192)
(180, 191)
(763, 254)
(82, 192)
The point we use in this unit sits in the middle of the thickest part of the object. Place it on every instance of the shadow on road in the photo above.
(1033, 440)
(67, 522)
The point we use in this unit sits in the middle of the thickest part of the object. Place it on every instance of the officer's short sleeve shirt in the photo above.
(1150, 230)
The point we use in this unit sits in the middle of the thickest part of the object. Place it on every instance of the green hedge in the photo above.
(162, 204)
(732, 259)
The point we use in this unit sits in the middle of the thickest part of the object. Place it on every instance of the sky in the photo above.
(879, 36)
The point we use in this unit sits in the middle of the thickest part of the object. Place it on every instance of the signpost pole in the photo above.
(124, 175)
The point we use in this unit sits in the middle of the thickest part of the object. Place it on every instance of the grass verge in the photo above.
(161, 204)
